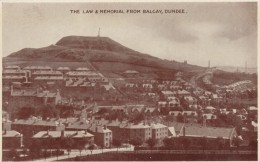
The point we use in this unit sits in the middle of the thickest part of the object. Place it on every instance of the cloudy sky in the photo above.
(225, 33)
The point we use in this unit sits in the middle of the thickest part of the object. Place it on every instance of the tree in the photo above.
(48, 111)
(117, 143)
(180, 118)
(68, 143)
(24, 151)
(169, 118)
(80, 147)
(57, 146)
(25, 112)
(185, 142)
(45, 148)
(91, 148)
(169, 143)
(237, 142)
(220, 143)
(203, 142)
(13, 153)
(253, 144)
(35, 148)
(151, 142)
(136, 142)
(102, 147)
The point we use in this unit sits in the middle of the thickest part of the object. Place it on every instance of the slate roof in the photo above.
(137, 126)
(209, 132)
(12, 67)
(131, 72)
(181, 92)
(100, 129)
(11, 133)
(57, 134)
(82, 69)
(13, 71)
(38, 67)
(49, 78)
(36, 122)
(63, 68)
(157, 126)
(47, 72)
(167, 92)
(177, 126)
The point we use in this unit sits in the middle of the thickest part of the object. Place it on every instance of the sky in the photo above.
(224, 33)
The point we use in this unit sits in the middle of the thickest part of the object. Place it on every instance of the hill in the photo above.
(103, 53)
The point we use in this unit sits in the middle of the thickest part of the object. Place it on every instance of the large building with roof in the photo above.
(32, 98)
(103, 136)
(38, 68)
(159, 131)
(210, 134)
(33, 125)
(54, 139)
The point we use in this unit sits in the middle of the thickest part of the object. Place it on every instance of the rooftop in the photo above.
(82, 69)
(37, 67)
(137, 126)
(167, 92)
(57, 134)
(13, 71)
(63, 68)
(131, 72)
(11, 133)
(210, 132)
(157, 126)
(47, 72)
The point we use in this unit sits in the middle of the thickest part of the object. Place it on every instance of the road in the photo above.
(75, 153)
(194, 78)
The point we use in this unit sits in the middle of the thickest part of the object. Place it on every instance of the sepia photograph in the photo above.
(129, 81)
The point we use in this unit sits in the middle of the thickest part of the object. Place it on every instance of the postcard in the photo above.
(129, 81)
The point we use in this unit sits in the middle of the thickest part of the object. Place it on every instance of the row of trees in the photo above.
(45, 148)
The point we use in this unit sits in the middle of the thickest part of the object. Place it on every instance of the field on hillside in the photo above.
(225, 78)
(117, 68)
(53, 64)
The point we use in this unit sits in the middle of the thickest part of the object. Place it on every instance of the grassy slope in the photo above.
(96, 50)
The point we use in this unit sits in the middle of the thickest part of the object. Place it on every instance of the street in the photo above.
(75, 153)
